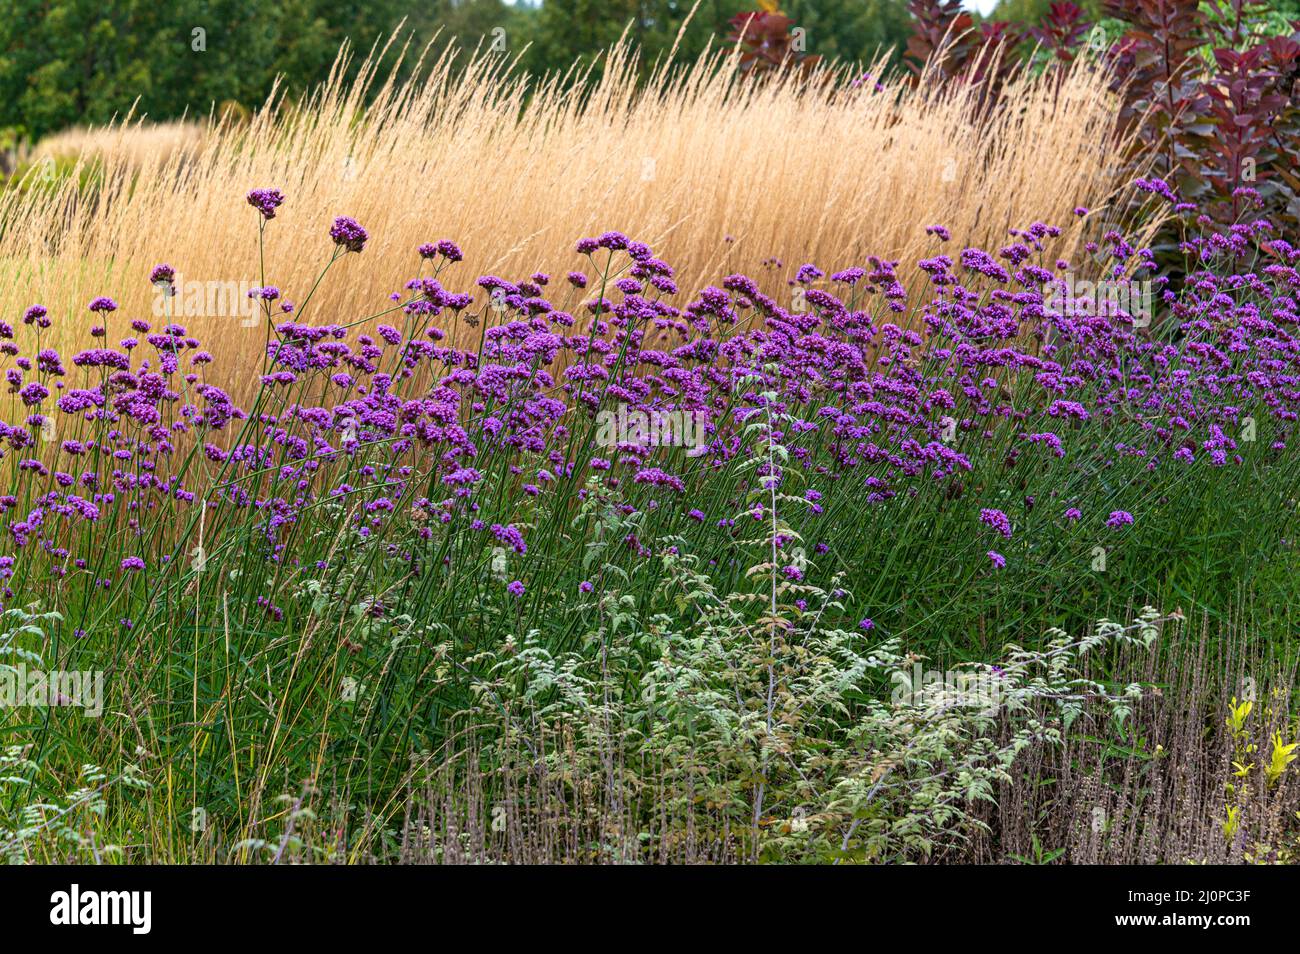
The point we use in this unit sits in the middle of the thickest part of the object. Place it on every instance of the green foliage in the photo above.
(736, 719)
(70, 62)
(65, 62)
(852, 31)
(44, 820)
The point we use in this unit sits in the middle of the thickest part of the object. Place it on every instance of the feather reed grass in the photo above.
(133, 143)
(717, 174)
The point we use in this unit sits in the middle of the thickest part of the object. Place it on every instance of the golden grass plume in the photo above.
(804, 171)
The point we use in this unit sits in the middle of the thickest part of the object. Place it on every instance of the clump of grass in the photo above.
(133, 143)
(721, 174)
(1200, 772)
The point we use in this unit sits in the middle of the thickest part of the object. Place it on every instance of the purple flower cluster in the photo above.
(883, 392)
(266, 201)
(348, 234)
(998, 520)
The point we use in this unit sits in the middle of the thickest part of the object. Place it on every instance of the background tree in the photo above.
(64, 62)
(852, 30)
(69, 62)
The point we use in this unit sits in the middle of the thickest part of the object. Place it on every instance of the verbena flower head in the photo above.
(266, 201)
(103, 305)
(348, 234)
(864, 399)
(162, 275)
(998, 520)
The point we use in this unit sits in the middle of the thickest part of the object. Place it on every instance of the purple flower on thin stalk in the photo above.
(515, 588)
(998, 520)
(997, 559)
(34, 393)
(348, 234)
(1119, 518)
(266, 201)
(103, 305)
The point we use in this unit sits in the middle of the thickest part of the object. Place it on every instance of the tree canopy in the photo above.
(68, 62)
